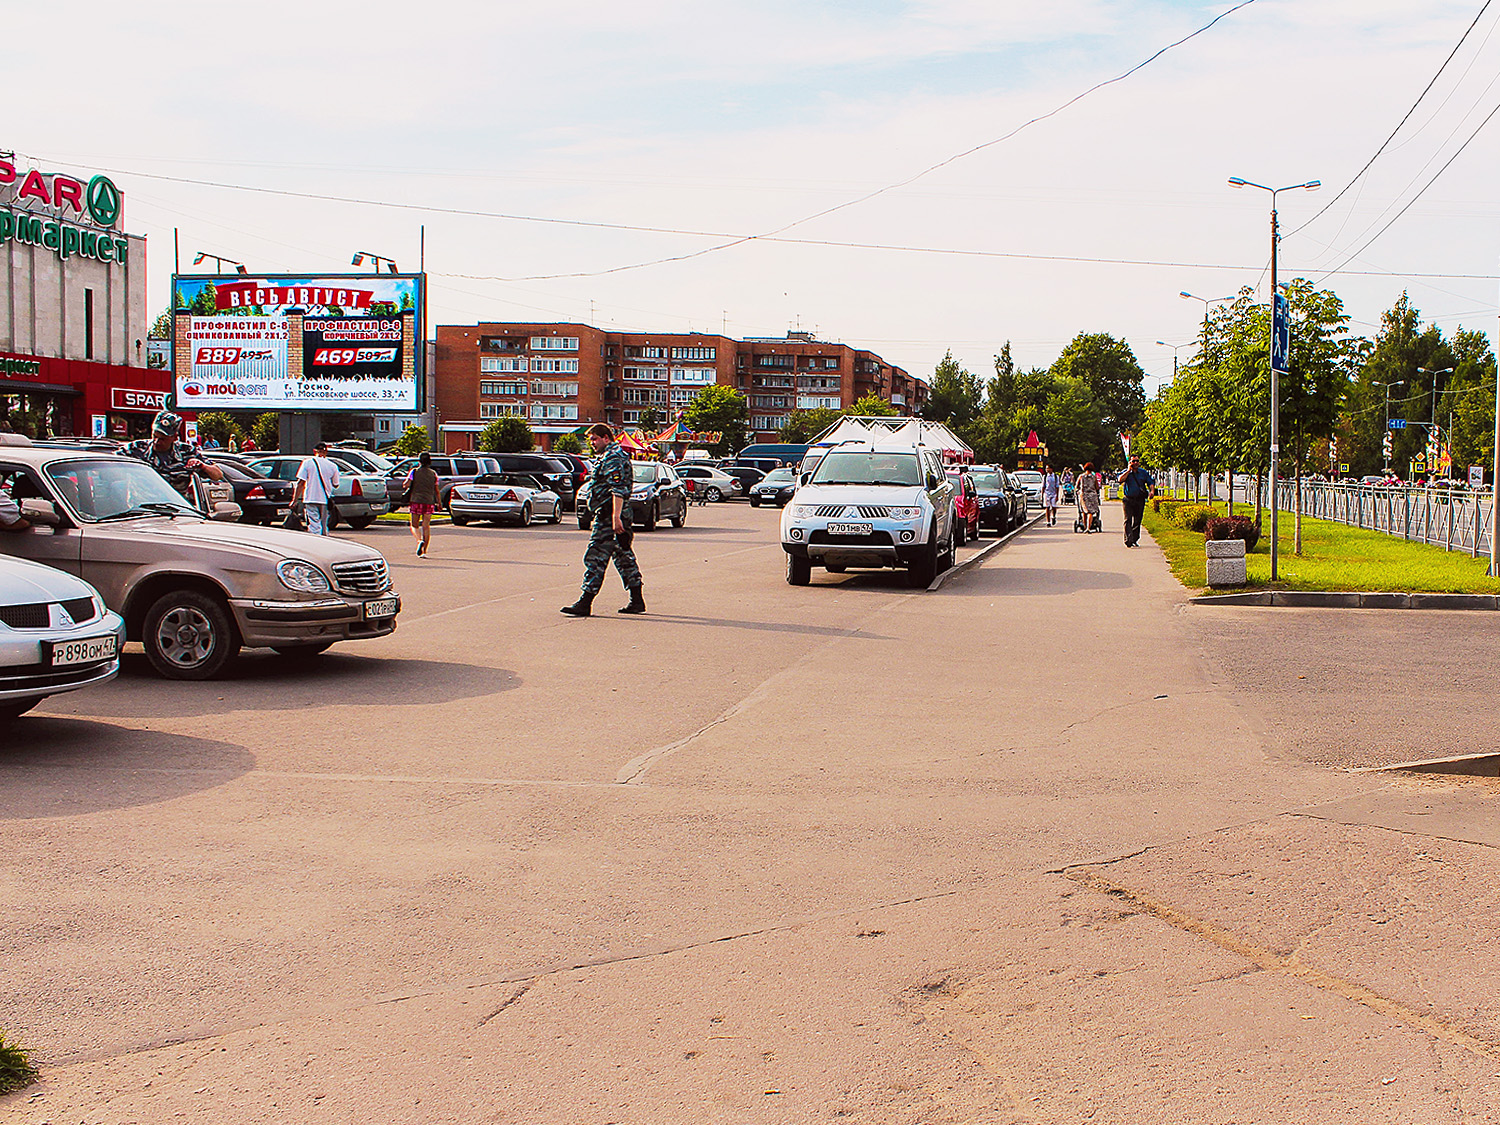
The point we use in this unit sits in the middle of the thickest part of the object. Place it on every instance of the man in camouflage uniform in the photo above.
(609, 535)
(175, 460)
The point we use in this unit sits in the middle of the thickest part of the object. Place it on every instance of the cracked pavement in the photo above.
(1045, 845)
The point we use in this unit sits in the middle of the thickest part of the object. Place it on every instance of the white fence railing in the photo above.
(1454, 519)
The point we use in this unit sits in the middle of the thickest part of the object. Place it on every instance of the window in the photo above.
(771, 402)
(644, 396)
(495, 387)
(773, 361)
(560, 390)
(385, 425)
(819, 402)
(830, 364)
(502, 410)
(549, 412)
(771, 421)
(491, 364)
(554, 344)
(541, 366)
(643, 352)
(700, 376)
(631, 416)
(655, 374)
(681, 396)
(694, 353)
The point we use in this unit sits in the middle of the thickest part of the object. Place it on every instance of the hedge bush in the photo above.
(1194, 517)
(1233, 527)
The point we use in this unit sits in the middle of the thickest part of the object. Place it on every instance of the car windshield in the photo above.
(986, 482)
(1027, 476)
(114, 488)
(899, 469)
(645, 472)
(778, 476)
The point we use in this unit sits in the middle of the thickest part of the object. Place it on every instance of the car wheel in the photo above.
(946, 560)
(556, 516)
(584, 523)
(15, 710)
(302, 652)
(755, 502)
(680, 519)
(525, 517)
(188, 635)
(798, 571)
(920, 572)
(362, 523)
(649, 523)
(333, 517)
(712, 494)
(962, 533)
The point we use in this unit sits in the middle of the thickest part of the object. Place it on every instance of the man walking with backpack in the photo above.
(1137, 485)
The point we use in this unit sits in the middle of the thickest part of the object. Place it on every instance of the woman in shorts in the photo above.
(422, 500)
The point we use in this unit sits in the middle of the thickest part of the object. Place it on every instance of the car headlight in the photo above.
(905, 513)
(803, 511)
(302, 576)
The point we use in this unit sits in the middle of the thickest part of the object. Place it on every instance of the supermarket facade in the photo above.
(74, 360)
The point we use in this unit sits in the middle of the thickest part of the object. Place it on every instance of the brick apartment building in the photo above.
(562, 376)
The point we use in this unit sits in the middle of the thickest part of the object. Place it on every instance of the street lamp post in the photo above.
(221, 262)
(375, 260)
(1207, 301)
(1310, 185)
(1387, 386)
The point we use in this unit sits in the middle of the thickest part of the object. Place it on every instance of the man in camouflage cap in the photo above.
(609, 536)
(174, 459)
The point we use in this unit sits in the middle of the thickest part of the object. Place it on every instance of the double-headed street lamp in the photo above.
(1207, 301)
(221, 262)
(375, 260)
(1174, 347)
(1310, 185)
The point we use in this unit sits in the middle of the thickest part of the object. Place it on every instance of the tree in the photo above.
(804, 425)
(511, 434)
(266, 430)
(218, 425)
(1070, 424)
(872, 406)
(161, 327)
(954, 395)
(567, 443)
(1109, 369)
(720, 409)
(650, 418)
(413, 440)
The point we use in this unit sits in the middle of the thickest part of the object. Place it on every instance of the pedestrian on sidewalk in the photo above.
(1051, 488)
(317, 481)
(422, 501)
(1087, 486)
(1136, 485)
(609, 535)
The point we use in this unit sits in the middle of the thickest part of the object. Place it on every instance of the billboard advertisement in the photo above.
(324, 342)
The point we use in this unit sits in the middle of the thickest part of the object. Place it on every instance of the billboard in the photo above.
(323, 342)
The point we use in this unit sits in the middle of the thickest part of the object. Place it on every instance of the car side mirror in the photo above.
(803, 479)
(37, 511)
(226, 512)
(932, 482)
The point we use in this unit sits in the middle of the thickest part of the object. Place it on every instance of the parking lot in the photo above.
(762, 854)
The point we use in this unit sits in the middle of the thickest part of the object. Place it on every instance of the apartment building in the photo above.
(562, 376)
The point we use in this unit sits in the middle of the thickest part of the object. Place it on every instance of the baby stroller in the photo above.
(1080, 524)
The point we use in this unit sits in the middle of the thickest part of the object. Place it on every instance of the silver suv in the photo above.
(871, 506)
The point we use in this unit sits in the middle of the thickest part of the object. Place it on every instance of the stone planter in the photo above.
(1226, 562)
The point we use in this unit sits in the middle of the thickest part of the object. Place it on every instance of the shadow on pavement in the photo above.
(261, 680)
(1023, 582)
(70, 767)
(760, 626)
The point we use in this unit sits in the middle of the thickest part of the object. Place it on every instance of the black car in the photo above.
(579, 465)
(776, 487)
(996, 503)
(747, 475)
(558, 475)
(262, 499)
(656, 493)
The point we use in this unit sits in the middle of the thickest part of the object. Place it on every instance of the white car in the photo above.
(1031, 481)
(357, 500)
(504, 497)
(869, 506)
(55, 635)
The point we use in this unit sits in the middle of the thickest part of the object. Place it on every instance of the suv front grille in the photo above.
(864, 511)
(80, 609)
(33, 615)
(370, 577)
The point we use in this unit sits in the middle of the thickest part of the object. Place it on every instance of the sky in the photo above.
(534, 142)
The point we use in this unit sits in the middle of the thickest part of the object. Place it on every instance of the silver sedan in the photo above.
(516, 498)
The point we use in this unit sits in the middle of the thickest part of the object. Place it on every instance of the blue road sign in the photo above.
(1397, 423)
(1281, 335)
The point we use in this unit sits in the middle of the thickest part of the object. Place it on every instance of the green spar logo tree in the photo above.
(103, 200)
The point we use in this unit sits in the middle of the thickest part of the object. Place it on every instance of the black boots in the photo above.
(580, 608)
(637, 602)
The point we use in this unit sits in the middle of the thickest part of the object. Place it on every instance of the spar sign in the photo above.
(315, 342)
(73, 218)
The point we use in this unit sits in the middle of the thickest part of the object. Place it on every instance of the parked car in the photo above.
(657, 493)
(361, 458)
(995, 502)
(748, 475)
(776, 487)
(450, 471)
(190, 589)
(357, 500)
(504, 497)
(581, 469)
(262, 499)
(712, 484)
(55, 634)
(965, 507)
(1019, 500)
(556, 474)
(1031, 481)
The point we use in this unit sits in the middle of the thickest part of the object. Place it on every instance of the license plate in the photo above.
(86, 650)
(850, 528)
(481, 496)
(385, 607)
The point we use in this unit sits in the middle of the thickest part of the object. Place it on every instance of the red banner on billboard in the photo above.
(252, 294)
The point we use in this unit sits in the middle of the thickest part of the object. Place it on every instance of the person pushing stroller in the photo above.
(1086, 488)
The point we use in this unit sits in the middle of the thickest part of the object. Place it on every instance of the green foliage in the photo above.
(872, 406)
(721, 409)
(413, 440)
(1108, 368)
(219, 426)
(1193, 517)
(804, 425)
(954, 395)
(16, 1069)
(266, 430)
(506, 435)
(651, 419)
(567, 443)
(161, 327)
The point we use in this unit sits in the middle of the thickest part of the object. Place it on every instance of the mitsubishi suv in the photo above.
(871, 506)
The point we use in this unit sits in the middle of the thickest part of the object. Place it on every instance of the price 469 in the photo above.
(341, 357)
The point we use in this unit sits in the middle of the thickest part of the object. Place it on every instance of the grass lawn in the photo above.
(1334, 557)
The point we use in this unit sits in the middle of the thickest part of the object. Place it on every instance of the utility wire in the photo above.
(1386, 143)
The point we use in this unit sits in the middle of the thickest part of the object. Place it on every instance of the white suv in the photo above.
(871, 506)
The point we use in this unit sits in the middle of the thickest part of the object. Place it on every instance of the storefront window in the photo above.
(37, 413)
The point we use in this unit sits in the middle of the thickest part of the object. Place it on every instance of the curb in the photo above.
(1352, 599)
(980, 556)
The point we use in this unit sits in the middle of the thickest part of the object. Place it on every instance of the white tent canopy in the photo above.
(897, 431)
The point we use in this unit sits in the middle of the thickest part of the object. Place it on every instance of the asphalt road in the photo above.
(1045, 845)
